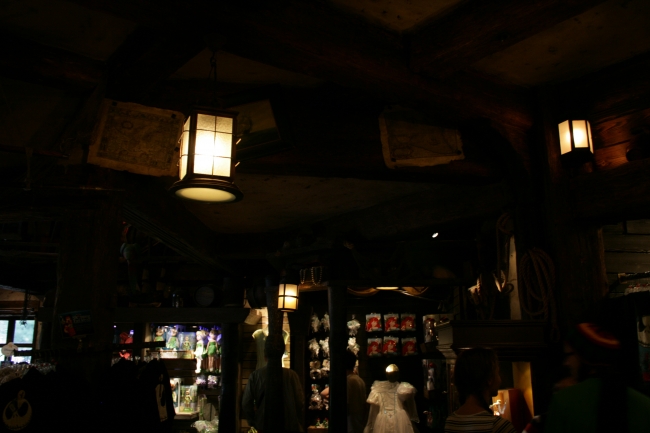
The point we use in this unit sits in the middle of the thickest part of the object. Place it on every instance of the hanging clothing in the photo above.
(392, 408)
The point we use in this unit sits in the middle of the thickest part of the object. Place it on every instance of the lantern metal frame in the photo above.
(576, 155)
(200, 180)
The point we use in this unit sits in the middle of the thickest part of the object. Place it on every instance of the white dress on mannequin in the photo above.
(392, 408)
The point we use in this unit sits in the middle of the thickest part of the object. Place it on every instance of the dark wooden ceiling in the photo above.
(337, 65)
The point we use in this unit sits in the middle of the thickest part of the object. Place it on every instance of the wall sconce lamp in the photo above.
(576, 142)
(288, 295)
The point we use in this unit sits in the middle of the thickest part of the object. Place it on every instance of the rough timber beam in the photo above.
(152, 209)
(25, 60)
(486, 27)
(317, 40)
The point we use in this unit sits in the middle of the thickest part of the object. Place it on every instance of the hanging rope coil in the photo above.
(537, 280)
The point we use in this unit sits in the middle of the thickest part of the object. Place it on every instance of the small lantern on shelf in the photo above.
(207, 151)
(576, 142)
(288, 295)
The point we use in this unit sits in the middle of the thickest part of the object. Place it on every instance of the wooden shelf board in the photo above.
(166, 315)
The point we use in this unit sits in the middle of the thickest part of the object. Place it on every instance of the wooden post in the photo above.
(229, 377)
(274, 349)
(338, 345)
(87, 279)
(575, 245)
(234, 290)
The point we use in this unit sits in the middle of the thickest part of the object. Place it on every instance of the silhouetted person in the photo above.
(600, 402)
(477, 379)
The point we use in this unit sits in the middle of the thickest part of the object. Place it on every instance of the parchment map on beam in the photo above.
(135, 138)
(411, 139)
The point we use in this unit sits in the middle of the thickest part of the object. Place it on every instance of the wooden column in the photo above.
(229, 376)
(299, 324)
(338, 345)
(575, 245)
(274, 348)
(87, 279)
(234, 291)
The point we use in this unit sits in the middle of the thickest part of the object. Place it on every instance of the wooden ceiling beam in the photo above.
(318, 40)
(147, 58)
(444, 205)
(477, 29)
(149, 207)
(25, 60)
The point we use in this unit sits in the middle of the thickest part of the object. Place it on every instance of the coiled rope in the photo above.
(536, 283)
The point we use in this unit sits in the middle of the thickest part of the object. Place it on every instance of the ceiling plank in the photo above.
(443, 205)
(477, 28)
(611, 92)
(318, 40)
(147, 58)
(25, 60)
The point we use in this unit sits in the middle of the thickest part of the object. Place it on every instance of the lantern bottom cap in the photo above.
(207, 190)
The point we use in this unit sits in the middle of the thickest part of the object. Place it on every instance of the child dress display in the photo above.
(392, 407)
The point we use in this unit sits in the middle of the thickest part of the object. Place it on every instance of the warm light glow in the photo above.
(581, 136)
(206, 195)
(435, 235)
(288, 297)
(387, 288)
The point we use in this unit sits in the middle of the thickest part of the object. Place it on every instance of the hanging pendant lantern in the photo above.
(207, 154)
(576, 142)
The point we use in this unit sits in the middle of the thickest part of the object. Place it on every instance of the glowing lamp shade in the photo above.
(207, 151)
(575, 138)
(387, 288)
(288, 297)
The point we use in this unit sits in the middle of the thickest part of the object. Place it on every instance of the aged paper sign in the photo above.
(138, 139)
(411, 139)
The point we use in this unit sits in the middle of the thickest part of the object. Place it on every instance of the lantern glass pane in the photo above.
(182, 167)
(202, 164)
(204, 143)
(185, 143)
(186, 127)
(223, 145)
(221, 167)
(224, 124)
(580, 136)
(290, 290)
(565, 137)
(205, 122)
(290, 303)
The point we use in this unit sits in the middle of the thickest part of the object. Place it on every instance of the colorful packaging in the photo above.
(409, 346)
(374, 347)
(390, 346)
(373, 322)
(391, 322)
(407, 321)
